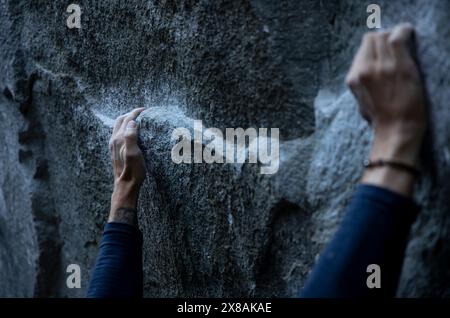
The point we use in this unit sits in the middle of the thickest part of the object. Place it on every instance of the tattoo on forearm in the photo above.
(125, 215)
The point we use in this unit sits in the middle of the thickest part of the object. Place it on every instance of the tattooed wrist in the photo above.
(124, 215)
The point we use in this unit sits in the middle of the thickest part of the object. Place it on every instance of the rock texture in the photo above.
(209, 230)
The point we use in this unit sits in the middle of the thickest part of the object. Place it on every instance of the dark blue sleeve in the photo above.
(374, 230)
(118, 269)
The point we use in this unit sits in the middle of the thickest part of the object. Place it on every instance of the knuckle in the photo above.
(384, 35)
(369, 36)
(395, 42)
(130, 135)
(380, 72)
(361, 75)
(116, 141)
(387, 70)
(367, 74)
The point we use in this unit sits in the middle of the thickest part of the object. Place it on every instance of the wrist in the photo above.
(124, 203)
(125, 195)
(390, 178)
(399, 143)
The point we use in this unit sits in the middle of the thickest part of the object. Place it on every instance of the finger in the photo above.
(367, 49)
(382, 51)
(118, 123)
(399, 40)
(364, 102)
(131, 133)
(131, 116)
(364, 57)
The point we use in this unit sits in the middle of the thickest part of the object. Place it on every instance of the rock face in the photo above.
(209, 229)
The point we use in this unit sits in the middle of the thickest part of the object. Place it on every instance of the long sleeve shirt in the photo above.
(374, 231)
(118, 270)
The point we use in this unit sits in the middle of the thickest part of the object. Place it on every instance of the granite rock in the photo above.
(209, 230)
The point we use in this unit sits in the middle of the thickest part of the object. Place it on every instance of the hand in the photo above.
(129, 168)
(387, 84)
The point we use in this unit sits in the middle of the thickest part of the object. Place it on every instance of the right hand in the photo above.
(128, 162)
(387, 84)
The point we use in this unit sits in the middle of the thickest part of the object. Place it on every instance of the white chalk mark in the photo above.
(105, 119)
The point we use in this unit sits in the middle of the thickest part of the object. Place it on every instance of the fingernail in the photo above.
(131, 124)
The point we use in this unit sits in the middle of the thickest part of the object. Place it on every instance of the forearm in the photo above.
(374, 231)
(376, 225)
(118, 269)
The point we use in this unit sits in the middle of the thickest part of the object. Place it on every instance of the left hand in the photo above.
(128, 165)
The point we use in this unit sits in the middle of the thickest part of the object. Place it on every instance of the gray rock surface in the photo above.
(209, 230)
